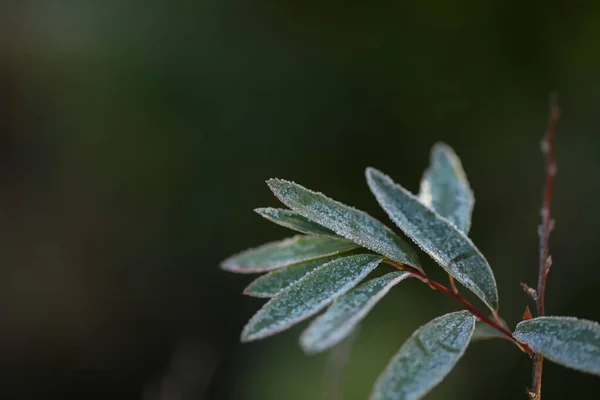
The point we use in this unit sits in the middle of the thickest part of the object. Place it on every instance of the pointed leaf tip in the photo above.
(445, 189)
(348, 222)
(425, 358)
(571, 342)
(309, 295)
(439, 238)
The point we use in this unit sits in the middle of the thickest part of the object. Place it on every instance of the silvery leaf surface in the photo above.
(439, 238)
(445, 188)
(286, 252)
(344, 315)
(309, 295)
(571, 342)
(293, 220)
(269, 285)
(350, 223)
(425, 358)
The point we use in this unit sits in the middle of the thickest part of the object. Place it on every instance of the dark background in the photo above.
(135, 138)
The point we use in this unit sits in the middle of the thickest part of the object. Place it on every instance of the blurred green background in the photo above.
(135, 138)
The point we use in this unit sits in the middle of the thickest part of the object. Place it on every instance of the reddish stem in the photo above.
(544, 232)
(472, 309)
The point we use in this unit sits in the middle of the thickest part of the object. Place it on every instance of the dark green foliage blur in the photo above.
(135, 139)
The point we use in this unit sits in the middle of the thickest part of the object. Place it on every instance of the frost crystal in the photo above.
(345, 314)
(290, 251)
(426, 358)
(309, 295)
(274, 282)
(572, 342)
(445, 188)
(447, 245)
(348, 222)
(294, 221)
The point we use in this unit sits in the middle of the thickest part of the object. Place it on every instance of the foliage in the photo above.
(342, 245)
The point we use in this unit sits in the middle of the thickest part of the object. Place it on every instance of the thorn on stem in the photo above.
(527, 314)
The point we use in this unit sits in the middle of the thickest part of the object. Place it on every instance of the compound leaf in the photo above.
(355, 225)
(344, 315)
(445, 188)
(293, 220)
(426, 358)
(446, 244)
(290, 251)
(309, 295)
(572, 342)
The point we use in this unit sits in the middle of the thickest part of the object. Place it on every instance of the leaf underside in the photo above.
(309, 295)
(350, 223)
(344, 315)
(425, 358)
(447, 245)
(571, 342)
(483, 332)
(286, 252)
(293, 220)
(445, 188)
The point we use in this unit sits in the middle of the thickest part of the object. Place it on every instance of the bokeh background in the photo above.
(135, 138)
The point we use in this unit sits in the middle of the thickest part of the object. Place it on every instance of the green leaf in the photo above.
(271, 284)
(426, 358)
(445, 188)
(345, 313)
(286, 252)
(356, 226)
(483, 332)
(309, 295)
(447, 245)
(572, 342)
(293, 220)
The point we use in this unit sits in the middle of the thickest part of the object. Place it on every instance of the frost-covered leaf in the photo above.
(290, 251)
(426, 358)
(445, 188)
(293, 220)
(353, 224)
(274, 282)
(572, 342)
(446, 244)
(483, 331)
(309, 295)
(346, 312)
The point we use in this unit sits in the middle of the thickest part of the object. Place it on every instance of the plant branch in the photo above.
(454, 294)
(544, 231)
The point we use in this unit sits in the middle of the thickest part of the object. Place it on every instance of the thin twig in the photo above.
(530, 291)
(472, 309)
(544, 231)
